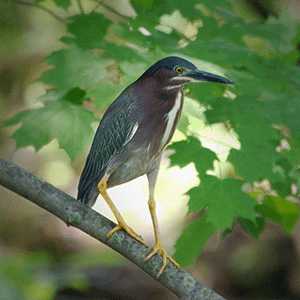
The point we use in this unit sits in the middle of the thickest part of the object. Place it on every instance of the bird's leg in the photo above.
(158, 249)
(102, 187)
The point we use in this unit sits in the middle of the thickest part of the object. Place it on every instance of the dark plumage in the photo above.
(133, 133)
(113, 130)
(169, 63)
(139, 103)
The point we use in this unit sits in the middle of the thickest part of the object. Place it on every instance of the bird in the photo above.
(132, 135)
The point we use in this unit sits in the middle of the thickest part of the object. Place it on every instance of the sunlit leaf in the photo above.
(68, 123)
(189, 151)
(223, 200)
(74, 67)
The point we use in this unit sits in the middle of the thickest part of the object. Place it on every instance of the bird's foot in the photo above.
(158, 249)
(128, 230)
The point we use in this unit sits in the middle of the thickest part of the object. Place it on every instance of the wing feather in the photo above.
(115, 130)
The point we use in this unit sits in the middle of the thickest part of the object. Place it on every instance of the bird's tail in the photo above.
(89, 195)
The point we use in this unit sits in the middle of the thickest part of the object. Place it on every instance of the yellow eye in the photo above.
(179, 70)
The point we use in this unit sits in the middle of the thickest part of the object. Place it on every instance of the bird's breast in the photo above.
(157, 118)
(171, 118)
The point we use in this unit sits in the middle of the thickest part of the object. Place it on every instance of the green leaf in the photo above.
(192, 241)
(88, 30)
(191, 116)
(69, 124)
(223, 200)
(285, 174)
(75, 67)
(253, 228)
(189, 151)
(75, 96)
(142, 3)
(104, 94)
(257, 136)
(281, 211)
(51, 95)
(65, 4)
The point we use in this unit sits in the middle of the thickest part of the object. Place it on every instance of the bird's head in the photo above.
(173, 72)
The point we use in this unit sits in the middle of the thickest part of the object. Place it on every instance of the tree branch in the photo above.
(18, 180)
(108, 8)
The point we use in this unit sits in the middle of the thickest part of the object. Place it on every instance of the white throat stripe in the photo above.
(171, 87)
(170, 119)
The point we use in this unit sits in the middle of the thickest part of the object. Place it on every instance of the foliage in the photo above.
(36, 275)
(16, 283)
(105, 51)
(68, 122)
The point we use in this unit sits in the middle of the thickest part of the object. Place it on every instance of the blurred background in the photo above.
(41, 258)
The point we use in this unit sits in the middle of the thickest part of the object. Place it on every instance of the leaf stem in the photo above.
(41, 7)
(98, 3)
(79, 3)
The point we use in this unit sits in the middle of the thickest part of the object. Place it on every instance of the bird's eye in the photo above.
(179, 70)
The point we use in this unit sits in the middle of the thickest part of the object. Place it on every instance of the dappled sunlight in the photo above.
(218, 138)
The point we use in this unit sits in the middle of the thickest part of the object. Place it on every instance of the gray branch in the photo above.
(18, 180)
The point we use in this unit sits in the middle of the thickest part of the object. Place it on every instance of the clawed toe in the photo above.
(157, 249)
(127, 229)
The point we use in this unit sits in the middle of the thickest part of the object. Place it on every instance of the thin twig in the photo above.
(80, 6)
(41, 7)
(98, 4)
(74, 213)
(109, 8)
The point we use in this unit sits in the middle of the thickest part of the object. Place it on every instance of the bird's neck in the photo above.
(168, 92)
(161, 89)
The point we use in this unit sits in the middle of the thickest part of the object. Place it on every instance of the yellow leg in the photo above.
(158, 249)
(102, 187)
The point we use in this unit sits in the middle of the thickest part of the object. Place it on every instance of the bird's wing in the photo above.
(115, 130)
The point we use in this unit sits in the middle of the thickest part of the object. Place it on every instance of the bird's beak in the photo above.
(198, 75)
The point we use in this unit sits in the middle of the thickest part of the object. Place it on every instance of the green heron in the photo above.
(132, 135)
